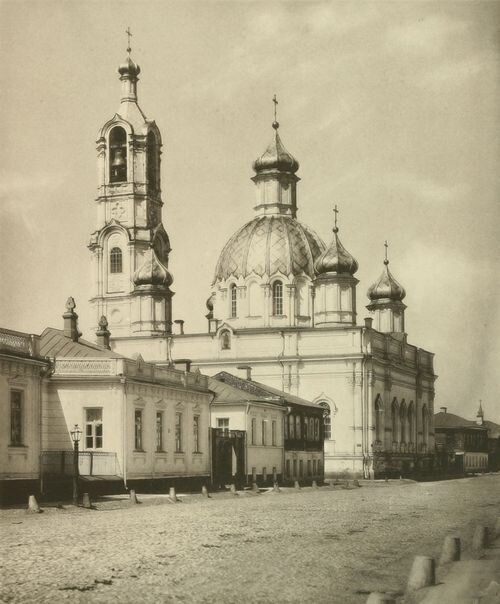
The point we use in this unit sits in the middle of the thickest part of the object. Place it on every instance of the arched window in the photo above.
(298, 431)
(411, 423)
(115, 260)
(402, 416)
(225, 340)
(277, 298)
(425, 425)
(291, 427)
(394, 420)
(118, 155)
(152, 159)
(327, 420)
(378, 418)
(234, 303)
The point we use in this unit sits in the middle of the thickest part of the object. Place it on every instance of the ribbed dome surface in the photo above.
(267, 245)
(386, 287)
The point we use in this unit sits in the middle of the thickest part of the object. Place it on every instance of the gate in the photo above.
(228, 456)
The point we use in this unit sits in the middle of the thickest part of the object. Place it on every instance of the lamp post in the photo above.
(76, 435)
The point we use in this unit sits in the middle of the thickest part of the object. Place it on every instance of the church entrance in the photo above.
(228, 456)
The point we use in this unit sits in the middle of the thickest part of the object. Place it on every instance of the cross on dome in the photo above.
(276, 124)
(386, 259)
(129, 35)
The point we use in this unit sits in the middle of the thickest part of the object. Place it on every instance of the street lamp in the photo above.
(76, 435)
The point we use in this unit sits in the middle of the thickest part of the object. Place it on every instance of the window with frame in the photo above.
(159, 431)
(264, 432)
(327, 422)
(314, 467)
(223, 424)
(234, 301)
(273, 432)
(138, 430)
(316, 429)
(196, 433)
(115, 260)
(306, 428)
(93, 428)
(225, 340)
(288, 468)
(152, 159)
(298, 430)
(178, 432)
(301, 468)
(294, 467)
(253, 431)
(278, 298)
(309, 471)
(16, 417)
(291, 426)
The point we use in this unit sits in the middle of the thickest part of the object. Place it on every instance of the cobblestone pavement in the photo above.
(325, 545)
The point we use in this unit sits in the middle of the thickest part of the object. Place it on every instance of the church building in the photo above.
(281, 301)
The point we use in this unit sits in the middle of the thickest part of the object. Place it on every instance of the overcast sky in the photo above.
(391, 108)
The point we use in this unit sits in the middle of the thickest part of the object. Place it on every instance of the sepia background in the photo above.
(391, 108)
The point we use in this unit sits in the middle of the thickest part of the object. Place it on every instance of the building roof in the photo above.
(225, 393)
(53, 343)
(493, 429)
(450, 420)
(252, 390)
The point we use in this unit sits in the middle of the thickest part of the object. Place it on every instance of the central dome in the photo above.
(268, 245)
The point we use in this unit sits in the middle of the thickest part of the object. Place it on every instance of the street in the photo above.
(325, 545)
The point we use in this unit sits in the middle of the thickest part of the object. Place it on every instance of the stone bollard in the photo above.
(297, 485)
(133, 497)
(33, 505)
(422, 573)
(314, 484)
(480, 538)
(255, 488)
(204, 491)
(451, 550)
(172, 496)
(233, 489)
(86, 503)
(276, 487)
(377, 597)
(355, 483)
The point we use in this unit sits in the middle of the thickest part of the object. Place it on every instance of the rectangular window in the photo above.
(264, 474)
(16, 417)
(223, 424)
(301, 468)
(138, 430)
(254, 431)
(314, 467)
(93, 428)
(159, 431)
(288, 468)
(264, 435)
(178, 432)
(273, 433)
(295, 467)
(196, 433)
(309, 473)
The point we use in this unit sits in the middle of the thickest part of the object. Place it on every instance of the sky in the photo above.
(391, 108)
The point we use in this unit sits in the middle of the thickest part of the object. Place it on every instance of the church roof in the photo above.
(267, 245)
(263, 392)
(53, 343)
(386, 288)
(335, 258)
(276, 157)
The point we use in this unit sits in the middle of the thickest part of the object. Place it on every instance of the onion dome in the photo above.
(129, 68)
(336, 259)
(152, 272)
(386, 287)
(276, 157)
(267, 245)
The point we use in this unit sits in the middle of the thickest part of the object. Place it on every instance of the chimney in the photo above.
(103, 333)
(71, 320)
(180, 323)
(183, 364)
(248, 371)
(444, 409)
(368, 322)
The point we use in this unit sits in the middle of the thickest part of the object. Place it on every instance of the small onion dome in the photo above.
(386, 287)
(276, 157)
(152, 272)
(129, 68)
(336, 259)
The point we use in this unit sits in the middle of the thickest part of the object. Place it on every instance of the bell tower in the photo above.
(130, 247)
